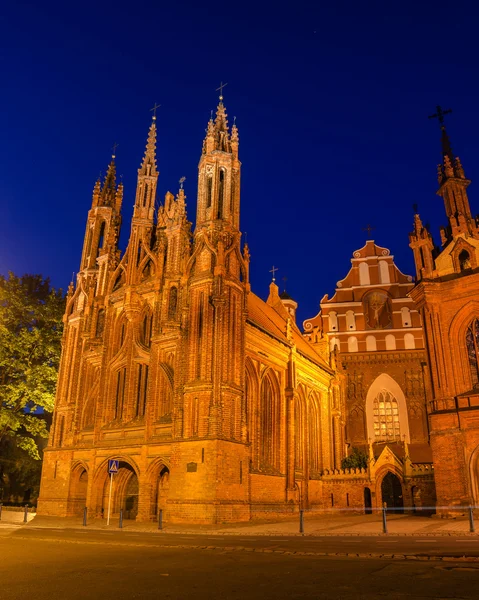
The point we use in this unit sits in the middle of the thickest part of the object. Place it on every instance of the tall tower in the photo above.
(445, 294)
(212, 425)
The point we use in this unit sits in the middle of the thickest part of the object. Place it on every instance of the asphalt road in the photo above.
(455, 546)
(71, 565)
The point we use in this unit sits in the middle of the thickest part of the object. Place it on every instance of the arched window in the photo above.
(352, 344)
(409, 342)
(164, 393)
(122, 334)
(299, 431)
(101, 239)
(145, 194)
(334, 342)
(464, 260)
(221, 192)
(350, 321)
(141, 390)
(333, 321)
(472, 343)
(364, 274)
(120, 393)
(384, 272)
(100, 323)
(371, 344)
(406, 317)
(209, 191)
(172, 302)
(314, 440)
(146, 330)
(390, 342)
(386, 417)
(268, 424)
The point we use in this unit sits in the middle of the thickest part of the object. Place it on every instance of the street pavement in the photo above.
(71, 564)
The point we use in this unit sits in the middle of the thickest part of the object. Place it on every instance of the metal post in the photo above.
(109, 499)
(84, 516)
(160, 519)
(472, 529)
(385, 522)
(1, 511)
(120, 524)
(25, 514)
(301, 521)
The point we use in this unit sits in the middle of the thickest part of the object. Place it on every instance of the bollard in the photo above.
(385, 522)
(84, 516)
(120, 524)
(472, 529)
(160, 519)
(301, 521)
(1, 511)
(25, 514)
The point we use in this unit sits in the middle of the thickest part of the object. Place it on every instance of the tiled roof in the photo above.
(266, 317)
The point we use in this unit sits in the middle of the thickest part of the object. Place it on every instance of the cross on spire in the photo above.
(439, 115)
(369, 228)
(153, 110)
(273, 270)
(182, 181)
(220, 89)
(113, 149)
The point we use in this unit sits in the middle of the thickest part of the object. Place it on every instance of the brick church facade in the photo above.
(217, 407)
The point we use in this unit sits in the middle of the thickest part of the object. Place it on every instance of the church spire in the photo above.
(147, 176)
(452, 187)
(148, 165)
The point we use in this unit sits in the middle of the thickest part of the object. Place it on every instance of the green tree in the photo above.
(356, 460)
(30, 344)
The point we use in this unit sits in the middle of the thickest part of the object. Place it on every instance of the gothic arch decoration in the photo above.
(250, 397)
(472, 347)
(386, 391)
(77, 494)
(88, 413)
(146, 327)
(314, 434)
(165, 393)
(120, 334)
(463, 256)
(474, 474)
(300, 431)
(269, 423)
(125, 487)
(458, 333)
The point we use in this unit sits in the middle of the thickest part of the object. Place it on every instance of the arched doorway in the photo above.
(161, 496)
(391, 492)
(78, 490)
(124, 492)
(368, 505)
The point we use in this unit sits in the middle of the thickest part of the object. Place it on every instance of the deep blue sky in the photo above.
(331, 100)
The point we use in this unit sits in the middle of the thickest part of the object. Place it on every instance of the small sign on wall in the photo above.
(191, 467)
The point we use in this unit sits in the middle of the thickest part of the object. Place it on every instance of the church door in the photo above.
(391, 491)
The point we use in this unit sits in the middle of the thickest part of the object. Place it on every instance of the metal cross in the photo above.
(273, 270)
(182, 181)
(368, 228)
(153, 110)
(439, 115)
(220, 89)
(114, 147)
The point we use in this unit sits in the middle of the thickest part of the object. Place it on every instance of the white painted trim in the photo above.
(385, 381)
(376, 331)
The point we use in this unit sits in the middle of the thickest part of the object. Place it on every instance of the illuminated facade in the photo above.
(374, 328)
(214, 403)
(447, 296)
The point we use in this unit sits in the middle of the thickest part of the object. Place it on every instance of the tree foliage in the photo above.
(30, 344)
(356, 460)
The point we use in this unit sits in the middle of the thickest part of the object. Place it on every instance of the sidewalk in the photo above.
(314, 525)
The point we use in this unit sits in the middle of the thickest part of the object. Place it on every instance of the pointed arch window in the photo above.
(209, 191)
(101, 239)
(142, 388)
(386, 417)
(120, 392)
(464, 260)
(221, 193)
(146, 330)
(269, 424)
(472, 343)
(172, 302)
(100, 323)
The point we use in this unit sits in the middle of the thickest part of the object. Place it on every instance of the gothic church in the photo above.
(217, 407)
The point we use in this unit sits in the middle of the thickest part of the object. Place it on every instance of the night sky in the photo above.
(331, 101)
